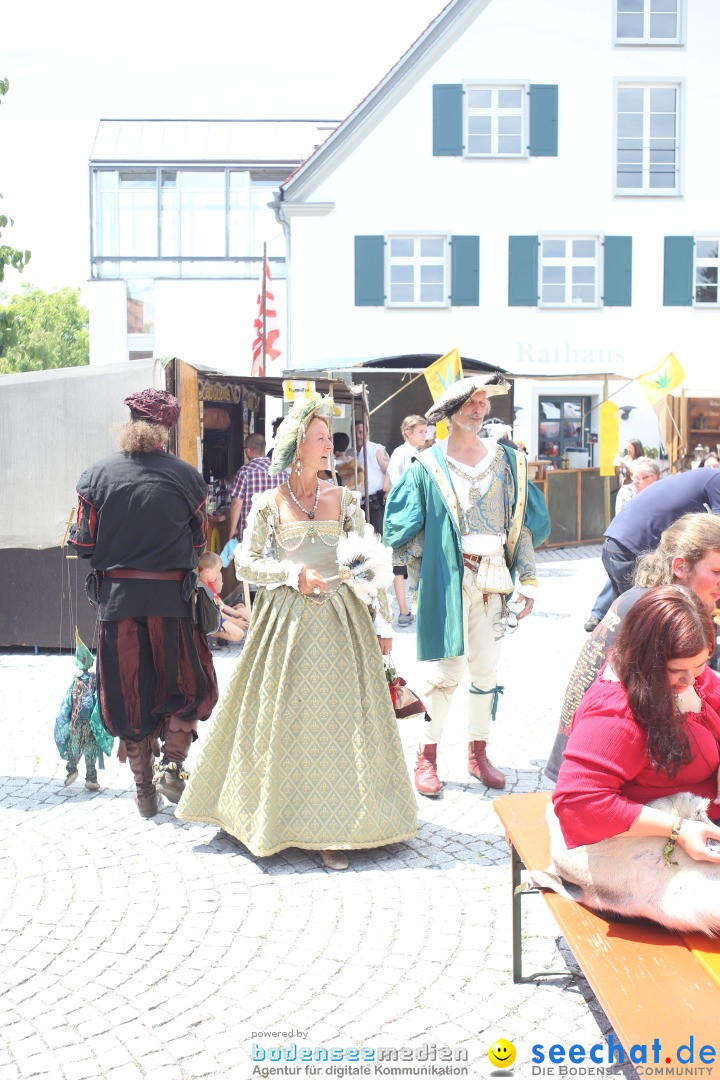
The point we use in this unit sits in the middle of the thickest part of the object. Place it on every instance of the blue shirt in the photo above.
(646, 516)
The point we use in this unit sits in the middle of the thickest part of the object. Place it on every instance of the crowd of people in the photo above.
(304, 749)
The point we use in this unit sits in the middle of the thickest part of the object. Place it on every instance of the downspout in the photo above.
(276, 205)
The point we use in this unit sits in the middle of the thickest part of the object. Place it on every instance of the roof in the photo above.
(382, 364)
(446, 28)
(267, 142)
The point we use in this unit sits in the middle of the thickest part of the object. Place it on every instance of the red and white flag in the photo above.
(265, 344)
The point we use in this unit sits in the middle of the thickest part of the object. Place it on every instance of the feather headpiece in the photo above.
(292, 430)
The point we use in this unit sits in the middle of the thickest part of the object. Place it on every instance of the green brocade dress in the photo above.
(304, 749)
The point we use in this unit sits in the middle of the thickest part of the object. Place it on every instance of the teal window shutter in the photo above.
(543, 120)
(369, 271)
(678, 272)
(465, 288)
(447, 120)
(523, 271)
(617, 271)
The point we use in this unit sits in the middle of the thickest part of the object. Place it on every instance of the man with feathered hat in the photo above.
(465, 519)
(142, 523)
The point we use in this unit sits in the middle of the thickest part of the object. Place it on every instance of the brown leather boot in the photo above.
(171, 775)
(140, 757)
(426, 777)
(482, 769)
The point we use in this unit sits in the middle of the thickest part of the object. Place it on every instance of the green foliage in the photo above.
(9, 256)
(650, 451)
(41, 330)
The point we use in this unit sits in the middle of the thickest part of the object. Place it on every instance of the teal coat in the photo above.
(421, 525)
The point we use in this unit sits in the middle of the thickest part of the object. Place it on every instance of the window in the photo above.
(251, 221)
(495, 121)
(648, 22)
(647, 140)
(569, 271)
(126, 212)
(417, 271)
(707, 265)
(563, 424)
(193, 213)
(140, 306)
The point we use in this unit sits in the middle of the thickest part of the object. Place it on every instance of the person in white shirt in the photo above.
(377, 465)
(414, 432)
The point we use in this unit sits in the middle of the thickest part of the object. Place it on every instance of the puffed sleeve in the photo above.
(254, 558)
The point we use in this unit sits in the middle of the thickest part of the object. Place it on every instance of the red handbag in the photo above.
(404, 700)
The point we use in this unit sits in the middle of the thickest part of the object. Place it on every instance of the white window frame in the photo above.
(495, 114)
(678, 40)
(704, 261)
(569, 261)
(417, 261)
(645, 192)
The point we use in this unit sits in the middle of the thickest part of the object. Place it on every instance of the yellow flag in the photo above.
(443, 373)
(658, 383)
(609, 437)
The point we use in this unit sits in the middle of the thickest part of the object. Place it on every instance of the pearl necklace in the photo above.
(310, 513)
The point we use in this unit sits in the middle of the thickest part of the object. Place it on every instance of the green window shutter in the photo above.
(678, 273)
(465, 253)
(369, 271)
(447, 120)
(617, 271)
(523, 271)
(543, 120)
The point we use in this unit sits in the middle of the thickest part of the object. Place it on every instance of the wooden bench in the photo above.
(651, 983)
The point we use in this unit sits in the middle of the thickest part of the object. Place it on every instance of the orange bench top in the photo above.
(651, 982)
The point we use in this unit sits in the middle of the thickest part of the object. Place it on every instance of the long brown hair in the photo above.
(691, 537)
(667, 623)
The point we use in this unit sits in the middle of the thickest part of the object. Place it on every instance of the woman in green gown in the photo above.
(304, 750)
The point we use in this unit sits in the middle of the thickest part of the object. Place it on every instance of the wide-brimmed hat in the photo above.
(457, 394)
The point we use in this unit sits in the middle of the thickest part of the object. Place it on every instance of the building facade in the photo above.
(534, 183)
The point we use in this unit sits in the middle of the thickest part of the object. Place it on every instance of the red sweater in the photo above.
(606, 775)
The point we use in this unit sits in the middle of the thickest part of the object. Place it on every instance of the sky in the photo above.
(71, 64)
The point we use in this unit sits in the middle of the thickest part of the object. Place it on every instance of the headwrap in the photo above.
(458, 393)
(292, 430)
(154, 406)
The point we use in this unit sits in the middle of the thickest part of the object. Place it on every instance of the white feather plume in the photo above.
(365, 564)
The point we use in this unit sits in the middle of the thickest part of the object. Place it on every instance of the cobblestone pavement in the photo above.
(136, 948)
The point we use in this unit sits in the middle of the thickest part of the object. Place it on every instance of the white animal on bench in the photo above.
(627, 876)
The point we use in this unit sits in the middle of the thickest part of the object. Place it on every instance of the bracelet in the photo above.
(672, 840)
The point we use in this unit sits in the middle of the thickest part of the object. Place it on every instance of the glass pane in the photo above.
(553, 249)
(509, 125)
(584, 293)
(432, 247)
(583, 249)
(571, 432)
(706, 294)
(479, 144)
(572, 407)
(509, 144)
(629, 26)
(662, 100)
(552, 275)
(553, 294)
(432, 274)
(662, 179)
(706, 249)
(550, 429)
(629, 179)
(401, 274)
(629, 125)
(664, 5)
(706, 275)
(662, 125)
(479, 99)
(107, 180)
(431, 294)
(583, 275)
(239, 180)
(140, 306)
(630, 5)
(663, 26)
(509, 99)
(630, 99)
(401, 294)
(479, 125)
(629, 157)
(402, 249)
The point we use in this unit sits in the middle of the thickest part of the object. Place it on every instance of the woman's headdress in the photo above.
(292, 430)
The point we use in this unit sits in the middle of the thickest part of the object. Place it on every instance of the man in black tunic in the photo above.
(142, 522)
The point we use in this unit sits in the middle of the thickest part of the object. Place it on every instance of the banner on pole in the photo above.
(439, 375)
(609, 437)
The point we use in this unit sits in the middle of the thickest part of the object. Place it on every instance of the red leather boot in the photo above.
(426, 777)
(482, 769)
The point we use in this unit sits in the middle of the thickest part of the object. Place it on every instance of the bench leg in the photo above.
(516, 866)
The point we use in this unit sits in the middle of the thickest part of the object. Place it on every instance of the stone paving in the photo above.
(135, 949)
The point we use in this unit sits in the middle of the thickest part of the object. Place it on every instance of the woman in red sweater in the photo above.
(648, 727)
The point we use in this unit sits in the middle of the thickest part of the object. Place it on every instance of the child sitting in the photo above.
(234, 619)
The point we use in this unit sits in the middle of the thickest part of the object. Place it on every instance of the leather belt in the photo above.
(146, 575)
(472, 561)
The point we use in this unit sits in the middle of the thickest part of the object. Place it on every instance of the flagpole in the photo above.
(264, 306)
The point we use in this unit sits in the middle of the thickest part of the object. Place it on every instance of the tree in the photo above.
(49, 330)
(9, 256)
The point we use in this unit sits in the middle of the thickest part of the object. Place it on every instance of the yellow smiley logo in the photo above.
(501, 1053)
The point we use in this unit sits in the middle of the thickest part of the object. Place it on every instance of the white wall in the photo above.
(391, 181)
(107, 305)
